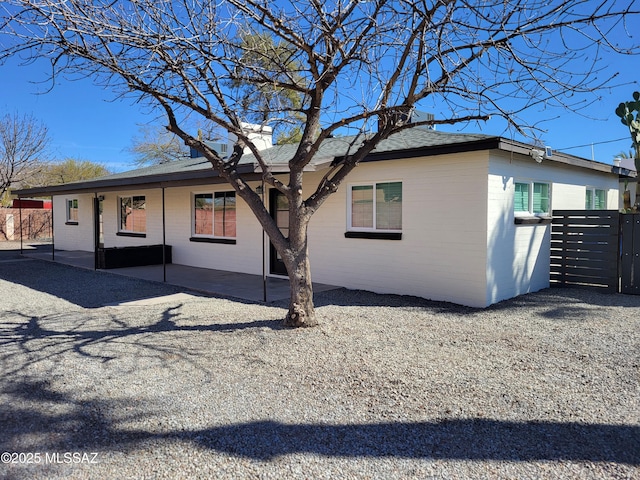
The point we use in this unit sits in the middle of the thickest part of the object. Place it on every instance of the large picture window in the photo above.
(532, 198)
(133, 214)
(375, 207)
(214, 214)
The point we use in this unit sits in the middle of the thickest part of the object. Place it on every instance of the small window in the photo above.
(214, 214)
(595, 199)
(541, 198)
(72, 211)
(133, 214)
(532, 198)
(375, 207)
(521, 198)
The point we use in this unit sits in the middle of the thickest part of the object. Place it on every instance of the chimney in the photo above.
(413, 116)
(261, 136)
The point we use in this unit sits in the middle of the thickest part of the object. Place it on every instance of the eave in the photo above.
(175, 179)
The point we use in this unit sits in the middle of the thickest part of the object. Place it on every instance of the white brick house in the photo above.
(454, 217)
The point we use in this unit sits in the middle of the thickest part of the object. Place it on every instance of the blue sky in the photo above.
(86, 124)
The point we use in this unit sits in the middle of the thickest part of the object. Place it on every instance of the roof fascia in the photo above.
(513, 146)
(194, 177)
(489, 143)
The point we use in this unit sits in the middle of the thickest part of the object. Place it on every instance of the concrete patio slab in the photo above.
(216, 282)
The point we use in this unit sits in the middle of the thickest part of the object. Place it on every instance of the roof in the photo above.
(408, 143)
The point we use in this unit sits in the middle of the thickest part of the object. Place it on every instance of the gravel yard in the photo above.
(543, 386)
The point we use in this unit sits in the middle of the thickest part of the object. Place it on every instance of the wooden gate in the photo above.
(585, 248)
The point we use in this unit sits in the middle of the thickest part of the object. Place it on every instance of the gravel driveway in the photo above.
(543, 386)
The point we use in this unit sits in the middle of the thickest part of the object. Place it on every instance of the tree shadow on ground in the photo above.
(98, 425)
(36, 339)
(85, 288)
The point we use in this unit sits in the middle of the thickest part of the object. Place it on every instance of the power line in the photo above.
(594, 143)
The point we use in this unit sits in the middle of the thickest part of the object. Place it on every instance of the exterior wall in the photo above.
(73, 237)
(153, 207)
(244, 256)
(518, 255)
(442, 254)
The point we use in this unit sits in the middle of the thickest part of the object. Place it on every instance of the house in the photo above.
(457, 217)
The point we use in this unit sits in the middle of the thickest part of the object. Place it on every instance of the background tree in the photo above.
(355, 65)
(263, 64)
(623, 154)
(24, 143)
(155, 145)
(69, 170)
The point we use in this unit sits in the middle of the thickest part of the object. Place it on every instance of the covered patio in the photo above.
(204, 280)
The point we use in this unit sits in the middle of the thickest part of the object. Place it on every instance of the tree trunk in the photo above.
(626, 199)
(301, 310)
(296, 258)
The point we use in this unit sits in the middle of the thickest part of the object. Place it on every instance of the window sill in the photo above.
(532, 220)
(374, 235)
(71, 223)
(225, 241)
(131, 234)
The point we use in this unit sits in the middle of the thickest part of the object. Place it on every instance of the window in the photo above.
(133, 214)
(72, 211)
(595, 199)
(214, 215)
(532, 198)
(375, 207)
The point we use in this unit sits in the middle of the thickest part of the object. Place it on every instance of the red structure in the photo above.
(31, 203)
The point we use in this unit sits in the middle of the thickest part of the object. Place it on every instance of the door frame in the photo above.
(276, 266)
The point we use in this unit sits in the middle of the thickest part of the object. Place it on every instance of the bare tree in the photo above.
(359, 64)
(23, 148)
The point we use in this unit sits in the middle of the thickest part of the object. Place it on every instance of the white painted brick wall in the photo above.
(73, 237)
(442, 253)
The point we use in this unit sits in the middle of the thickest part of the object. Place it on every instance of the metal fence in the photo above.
(585, 248)
(630, 253)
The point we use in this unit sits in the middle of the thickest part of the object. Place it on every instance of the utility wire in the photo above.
(591, 144)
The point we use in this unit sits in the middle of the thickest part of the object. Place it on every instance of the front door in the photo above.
(279, 208)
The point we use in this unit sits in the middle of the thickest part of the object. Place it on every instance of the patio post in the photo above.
(53, 239)
(96, 229)
(164, 242)
(20, 218)
(264, 259)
